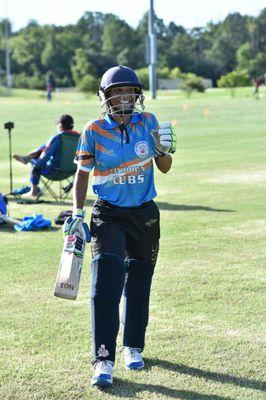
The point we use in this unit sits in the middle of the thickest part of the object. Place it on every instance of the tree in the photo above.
(257, 66)
(172, 30)
(234, 79)
(192, 83)
(58, 54)
(27, 48)
(261, 30)
(255, 63)
(82, 66)
(88, 84)
(4, 25)
(244, 55)
(99, 41)
(224, 39)
(175, 73)
(90, 30)
(118, 40)
(143, 75)
(179, 53)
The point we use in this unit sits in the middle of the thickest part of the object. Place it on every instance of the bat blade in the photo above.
(70, 267)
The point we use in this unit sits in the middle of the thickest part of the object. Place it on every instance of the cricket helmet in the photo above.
(121, 76)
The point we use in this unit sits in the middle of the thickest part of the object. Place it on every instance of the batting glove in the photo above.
(76, 224)
(164, 139)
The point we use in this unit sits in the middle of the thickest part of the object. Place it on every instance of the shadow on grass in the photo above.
(53, 228)
(11, 229)
(127, 389)
(187, 207)
(7, 228)
(67, 202)
(208, 375)
(89, 203)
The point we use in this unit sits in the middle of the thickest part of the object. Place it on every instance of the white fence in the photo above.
(170, 84)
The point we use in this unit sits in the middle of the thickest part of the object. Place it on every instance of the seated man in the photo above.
(46, 158)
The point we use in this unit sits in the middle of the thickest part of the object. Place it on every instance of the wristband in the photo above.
(159, 153)
(79, 212)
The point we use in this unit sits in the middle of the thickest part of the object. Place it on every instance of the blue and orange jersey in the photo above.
(50, 155)
(120, 158)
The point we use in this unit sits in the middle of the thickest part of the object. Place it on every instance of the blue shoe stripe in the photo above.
(101, 383)
(135, 365)
(104, 376)
(102, 380)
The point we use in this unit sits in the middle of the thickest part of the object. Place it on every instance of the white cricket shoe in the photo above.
(103, 374)
(133, 358)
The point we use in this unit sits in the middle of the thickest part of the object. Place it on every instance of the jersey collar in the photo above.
(110, 123)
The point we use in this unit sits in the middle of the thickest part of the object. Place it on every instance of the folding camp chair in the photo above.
(67, 168)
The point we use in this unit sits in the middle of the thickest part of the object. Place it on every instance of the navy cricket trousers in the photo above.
(125, 244)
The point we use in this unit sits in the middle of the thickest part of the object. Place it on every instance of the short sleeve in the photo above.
(154, 121)
(150, 121)
(86, 150)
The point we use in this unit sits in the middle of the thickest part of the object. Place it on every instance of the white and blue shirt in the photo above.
(120, 158)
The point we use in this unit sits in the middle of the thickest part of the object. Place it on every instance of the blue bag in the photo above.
(3, 206)
(33, 222)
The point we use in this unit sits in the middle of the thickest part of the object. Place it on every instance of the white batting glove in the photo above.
(74, 223)
(164, 139)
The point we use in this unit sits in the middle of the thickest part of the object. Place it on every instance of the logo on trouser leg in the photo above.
(103, 352)
(151, 222)
(154, 253)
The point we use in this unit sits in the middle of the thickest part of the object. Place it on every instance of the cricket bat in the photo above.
(9, 220)
(70, 266)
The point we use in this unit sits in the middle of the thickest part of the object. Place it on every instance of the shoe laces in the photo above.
(104, 366)
(133, 352)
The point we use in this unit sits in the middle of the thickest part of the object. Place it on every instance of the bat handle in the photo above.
(87, 232)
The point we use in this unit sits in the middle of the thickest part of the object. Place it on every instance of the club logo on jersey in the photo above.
(141, 149)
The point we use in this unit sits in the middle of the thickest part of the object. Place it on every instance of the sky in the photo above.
(188, 13)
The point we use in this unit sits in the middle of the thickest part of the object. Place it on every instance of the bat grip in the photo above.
(87, 232)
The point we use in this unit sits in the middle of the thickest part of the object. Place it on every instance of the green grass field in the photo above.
(205, 338)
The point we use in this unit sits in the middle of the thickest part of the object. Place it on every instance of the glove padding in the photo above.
(76, 225)
(164, 139)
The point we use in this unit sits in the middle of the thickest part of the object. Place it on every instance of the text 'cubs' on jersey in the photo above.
(121, 159)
